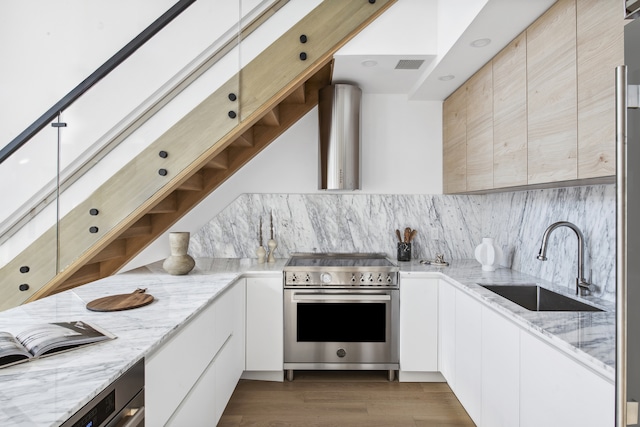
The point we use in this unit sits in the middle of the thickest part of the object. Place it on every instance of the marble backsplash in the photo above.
(452, 225)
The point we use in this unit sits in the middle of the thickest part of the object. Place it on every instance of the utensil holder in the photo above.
(404, 251)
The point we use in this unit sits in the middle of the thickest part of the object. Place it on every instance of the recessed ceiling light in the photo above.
(24, 161)
(447, 77)
(480, 42)
(369, 63)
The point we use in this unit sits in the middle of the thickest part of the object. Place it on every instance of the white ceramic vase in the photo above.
(179, 262)
(272, 244)
(262, 254)
(488, 254)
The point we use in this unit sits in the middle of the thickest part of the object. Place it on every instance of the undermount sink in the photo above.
(535, 298)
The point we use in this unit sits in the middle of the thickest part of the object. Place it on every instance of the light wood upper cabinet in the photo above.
(549, 95)
(480, 130)
(455, 142)
(510, 114)
(600, 31)
(552, 95)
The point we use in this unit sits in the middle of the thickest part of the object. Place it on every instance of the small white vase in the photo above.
(262, 254)
(272, 247)
(488, 254)
(179, 262)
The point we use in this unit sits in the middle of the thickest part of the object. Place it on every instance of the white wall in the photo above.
(453, 19)
(401, 154)
(48, 47)
(408, 27)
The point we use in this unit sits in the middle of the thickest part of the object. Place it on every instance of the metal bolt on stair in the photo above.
(303, 56)
(23, 287)
(93, 211)
(24, 269)
(93, 229)
(162, 172)
(163, 154)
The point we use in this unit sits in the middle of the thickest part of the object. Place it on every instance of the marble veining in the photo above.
(518, 220)
(63, 383)
(587, 336)
(343, 223)
(452, 225)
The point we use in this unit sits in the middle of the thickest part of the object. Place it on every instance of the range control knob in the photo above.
(293, 277)
(341, 352)
(380, 277)
(307, 278)
(370, 277)
(325, 278)
(362, 277)
(389, 280)
(353, 278)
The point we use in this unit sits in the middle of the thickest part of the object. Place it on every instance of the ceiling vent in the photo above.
(409, 64)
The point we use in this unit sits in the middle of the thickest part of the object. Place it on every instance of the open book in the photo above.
(47, 339)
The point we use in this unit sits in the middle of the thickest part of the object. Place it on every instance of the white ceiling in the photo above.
(439, 32)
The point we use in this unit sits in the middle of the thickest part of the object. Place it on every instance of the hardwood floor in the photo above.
(345, 399)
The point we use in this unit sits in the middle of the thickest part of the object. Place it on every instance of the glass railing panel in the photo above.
(115, 186)
(29, 179)
(28, 255)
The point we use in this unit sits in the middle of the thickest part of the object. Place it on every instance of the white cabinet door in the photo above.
(265, 327)
(500, 371)
(418, 324)
(556, 391)
(468, 362)
(447, 332)
(180, 379)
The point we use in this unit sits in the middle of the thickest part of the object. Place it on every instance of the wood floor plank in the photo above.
(322, 399)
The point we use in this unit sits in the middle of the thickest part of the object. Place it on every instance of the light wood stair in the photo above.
(139, 204)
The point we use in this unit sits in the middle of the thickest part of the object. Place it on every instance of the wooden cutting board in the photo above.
(137, 298)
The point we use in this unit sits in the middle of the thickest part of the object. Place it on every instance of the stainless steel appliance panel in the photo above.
(327, 328)
(121, 404)
(628, 230)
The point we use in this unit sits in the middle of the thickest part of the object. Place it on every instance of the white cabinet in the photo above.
(265, 328)
(500, 370)
(556, 391)
(447, 332)
(418, 325)
(187, 384)
(468, 346)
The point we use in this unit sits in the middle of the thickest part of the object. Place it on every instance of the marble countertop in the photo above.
(48, 391)
(589, 337)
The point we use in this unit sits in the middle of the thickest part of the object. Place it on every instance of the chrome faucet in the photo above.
(582, 286)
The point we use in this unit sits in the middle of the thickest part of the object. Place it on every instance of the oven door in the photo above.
(341, 329)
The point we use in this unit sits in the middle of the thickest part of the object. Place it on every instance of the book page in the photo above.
(54, 337)
(11, 350)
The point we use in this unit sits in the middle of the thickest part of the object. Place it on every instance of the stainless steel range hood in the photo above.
(339, 148)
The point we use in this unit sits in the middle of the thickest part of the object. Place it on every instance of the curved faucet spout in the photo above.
(582, 286)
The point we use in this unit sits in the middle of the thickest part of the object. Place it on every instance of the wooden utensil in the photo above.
(407, 234)
(399, 236)
(137, 298)
(412, 235)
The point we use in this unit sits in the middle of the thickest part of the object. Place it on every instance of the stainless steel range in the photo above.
(341, 311)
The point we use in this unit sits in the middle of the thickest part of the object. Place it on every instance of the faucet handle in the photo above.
(583, 288)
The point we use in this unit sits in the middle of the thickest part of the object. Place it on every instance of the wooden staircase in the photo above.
(177, 171)
(200, 184)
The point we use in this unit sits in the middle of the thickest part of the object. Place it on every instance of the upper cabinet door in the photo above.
(480, 130)
(600, 30)
(510, 114)
(552, 95)
(455, 142)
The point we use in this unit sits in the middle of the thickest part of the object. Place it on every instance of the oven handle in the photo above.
(341, 297)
